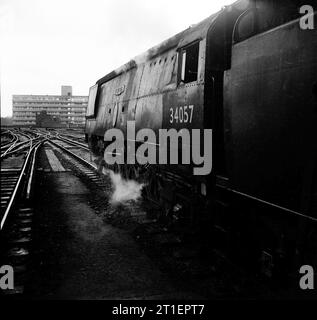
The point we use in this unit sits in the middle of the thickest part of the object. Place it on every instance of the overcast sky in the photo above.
(48, 43)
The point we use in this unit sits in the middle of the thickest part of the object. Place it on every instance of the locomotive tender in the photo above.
(248, 73)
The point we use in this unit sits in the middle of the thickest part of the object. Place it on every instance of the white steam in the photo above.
(124, 190)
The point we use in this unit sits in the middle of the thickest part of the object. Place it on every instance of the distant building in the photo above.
(71, 110)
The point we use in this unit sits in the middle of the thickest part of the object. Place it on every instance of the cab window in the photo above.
(189, 63)
(91, 101)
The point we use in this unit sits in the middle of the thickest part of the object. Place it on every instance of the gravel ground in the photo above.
(5, 139)
(13, 162)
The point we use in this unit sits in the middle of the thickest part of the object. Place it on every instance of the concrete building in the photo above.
(71, 110)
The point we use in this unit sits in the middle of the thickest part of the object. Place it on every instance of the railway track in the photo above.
(18, 160)
(73, 142)
(9, 144)
(76, 138)
(19, 142)
(17, 172)
(79, 161)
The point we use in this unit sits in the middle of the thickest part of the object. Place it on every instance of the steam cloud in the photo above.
(124, 190)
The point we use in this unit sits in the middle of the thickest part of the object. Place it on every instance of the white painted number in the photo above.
(171, 115)
(182, 114)
(185, 114)
(191, 107)
(176, 115)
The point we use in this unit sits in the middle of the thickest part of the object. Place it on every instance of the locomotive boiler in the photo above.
(248, 73)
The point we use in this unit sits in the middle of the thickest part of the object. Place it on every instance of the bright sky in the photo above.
(49, 43)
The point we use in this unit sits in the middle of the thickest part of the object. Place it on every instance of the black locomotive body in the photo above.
(249, 74)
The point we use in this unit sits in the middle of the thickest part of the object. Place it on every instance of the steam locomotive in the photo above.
(248, 73)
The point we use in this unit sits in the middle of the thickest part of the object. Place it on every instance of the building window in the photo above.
(189, 63)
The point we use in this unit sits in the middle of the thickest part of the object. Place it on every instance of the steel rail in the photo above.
(70, 136)
(18, 185)
(11, 144)
(18, 146)
(80, 159)
(75, 143)
(13, 139)
(29, 185)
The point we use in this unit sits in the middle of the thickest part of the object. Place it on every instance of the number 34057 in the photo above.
(182, 114)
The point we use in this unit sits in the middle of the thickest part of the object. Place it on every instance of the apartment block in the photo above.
(71, 110)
